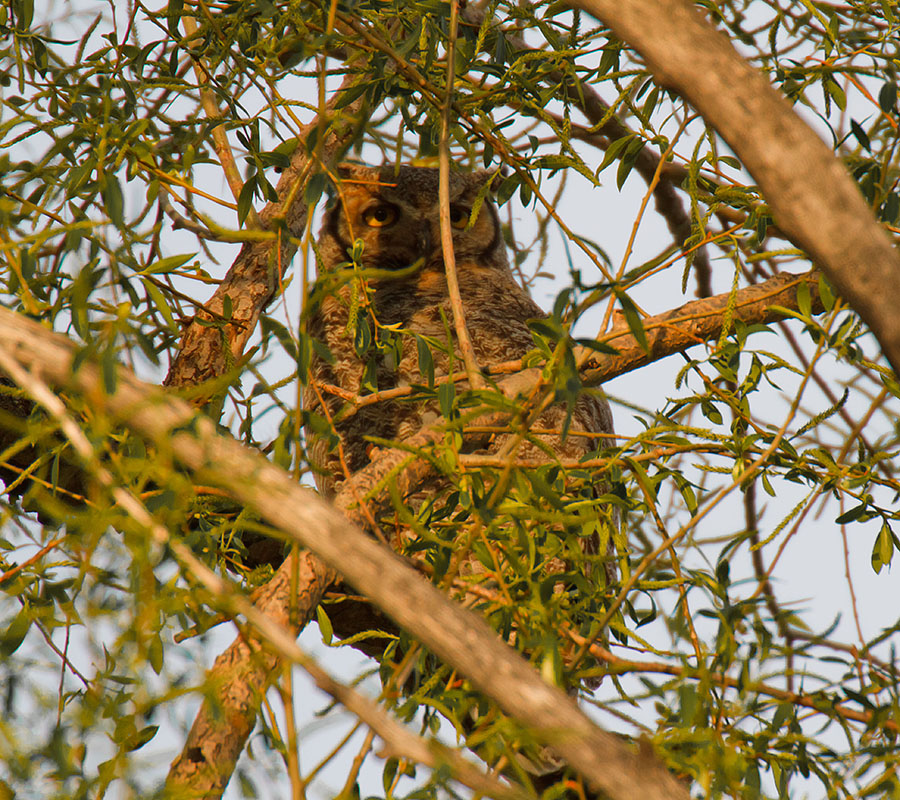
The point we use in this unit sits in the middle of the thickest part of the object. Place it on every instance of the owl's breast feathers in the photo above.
(497, 311)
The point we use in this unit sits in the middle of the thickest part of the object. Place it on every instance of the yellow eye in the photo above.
(459, 217)
(380, 216)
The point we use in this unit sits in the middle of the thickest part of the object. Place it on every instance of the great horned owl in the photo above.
(387, 219)
(382, 310)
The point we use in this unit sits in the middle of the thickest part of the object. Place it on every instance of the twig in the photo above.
(219, 136)
(476, 381)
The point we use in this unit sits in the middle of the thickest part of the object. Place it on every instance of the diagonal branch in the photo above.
(459, 637)
(256, 273)
(815, 202)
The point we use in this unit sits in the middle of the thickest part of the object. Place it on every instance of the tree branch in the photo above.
(457, 636)
(815, 202)
(255, 275)
(242, 674)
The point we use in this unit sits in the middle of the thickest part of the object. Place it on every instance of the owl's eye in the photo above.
(459, 217)
(380, 216)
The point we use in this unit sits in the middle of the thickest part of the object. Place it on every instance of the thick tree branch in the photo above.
(242, 674)
(670, 332)
(696, 322)
(456, 635)
(814, 201)
(220, 730)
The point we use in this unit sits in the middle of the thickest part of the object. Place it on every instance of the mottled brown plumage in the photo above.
(394, 214)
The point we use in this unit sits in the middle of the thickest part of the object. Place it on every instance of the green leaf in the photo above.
(633, 319)
(159, 300)
(155, 654)
(826, 295)
(446, 393)
(272, 327)
(506, 188)
(835, 91)
(613, 151)
(388, 775)
(15, 633)
(174, 12)
(887, 97)
(314, 188)
(166, 264)
(426, 362)
(804, 302)
(860, 135)
(852, 515)
(245, 199)
(108, 368)
(347, 96)
(113, 201)
(883, 551)
(142, 737)
(597, 347)
(362, 338)
(325, 626)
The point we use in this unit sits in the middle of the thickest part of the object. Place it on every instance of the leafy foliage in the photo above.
(755, 461)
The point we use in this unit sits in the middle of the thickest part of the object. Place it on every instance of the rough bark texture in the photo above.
(242, 675)
(695, 322)
(813, 199)
(255, 275)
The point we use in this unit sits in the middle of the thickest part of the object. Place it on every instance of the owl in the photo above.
(385, 221)
(381, 318)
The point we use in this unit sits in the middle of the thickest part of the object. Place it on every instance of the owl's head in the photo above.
(394, 212)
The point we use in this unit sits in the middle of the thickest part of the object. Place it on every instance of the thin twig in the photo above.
(476, 381)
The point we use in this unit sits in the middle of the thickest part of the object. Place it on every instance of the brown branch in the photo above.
(17, 568)
(815, 202)
(456, 304)
(454, 634)
(241, 676)
(696, 322)
(256, 273)
(817, 701)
